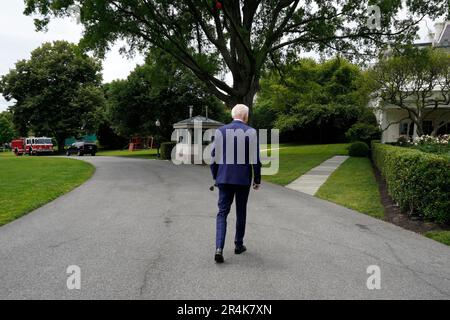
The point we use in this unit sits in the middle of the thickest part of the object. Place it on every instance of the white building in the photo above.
(391, 117)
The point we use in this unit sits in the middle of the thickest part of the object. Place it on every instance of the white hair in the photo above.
(239, 111)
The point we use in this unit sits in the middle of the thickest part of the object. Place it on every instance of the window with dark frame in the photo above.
(403, 128)
(427, 126)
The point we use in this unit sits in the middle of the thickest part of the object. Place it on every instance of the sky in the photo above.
(18, 38)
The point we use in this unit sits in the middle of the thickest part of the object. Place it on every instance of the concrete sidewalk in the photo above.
(311, 181)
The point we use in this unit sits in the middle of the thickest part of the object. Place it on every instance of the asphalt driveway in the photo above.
(144, 229)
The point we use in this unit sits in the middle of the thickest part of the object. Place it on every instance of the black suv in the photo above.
(81, 148)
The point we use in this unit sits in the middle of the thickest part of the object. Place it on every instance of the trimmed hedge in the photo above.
(166, 150)
(419, 182)
(358, 149)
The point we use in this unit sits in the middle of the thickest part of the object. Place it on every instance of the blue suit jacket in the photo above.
(237, 172)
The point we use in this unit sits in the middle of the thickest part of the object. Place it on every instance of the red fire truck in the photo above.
(32, 146)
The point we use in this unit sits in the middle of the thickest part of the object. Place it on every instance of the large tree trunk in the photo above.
(247, 96)
(419, 127)
(247, 100)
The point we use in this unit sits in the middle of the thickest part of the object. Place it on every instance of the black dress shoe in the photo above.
(218, 257)
(239, 250)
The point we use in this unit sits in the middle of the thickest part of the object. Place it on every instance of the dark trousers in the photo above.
(227, 192)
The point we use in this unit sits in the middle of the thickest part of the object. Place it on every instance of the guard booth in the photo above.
(189, 145)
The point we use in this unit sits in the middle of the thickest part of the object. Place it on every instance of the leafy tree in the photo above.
(7, 131)
(417, 81)
(308, 82)
(108, 138)
(57, 92)
(241, 35)
(264, 115)
(323, 123)
(363, 132)
(161, 89)
(315, 102)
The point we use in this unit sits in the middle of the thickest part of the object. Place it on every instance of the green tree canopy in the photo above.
(307, 82)
(161, 89)
(241, 35)
(7, 131)
(313, 101)
(57, 92)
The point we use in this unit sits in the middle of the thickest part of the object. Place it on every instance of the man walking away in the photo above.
(235, 164)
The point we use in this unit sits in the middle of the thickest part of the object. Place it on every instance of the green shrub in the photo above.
(438, 145)
(358, 149)
(166, 150)
(367, 116)
(363, 132)
(322, 123)
(419, 182)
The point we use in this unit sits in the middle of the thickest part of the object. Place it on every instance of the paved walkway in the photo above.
(311, 181)
(144, 229)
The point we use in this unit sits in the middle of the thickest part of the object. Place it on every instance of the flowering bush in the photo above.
(426, 139)
(403, 140)
(438, 145)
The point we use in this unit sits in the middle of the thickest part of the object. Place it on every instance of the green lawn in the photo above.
(147, 154)
(6, 154)
(353, 185)
(27, 183)
(295, 160)
(441, 236)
